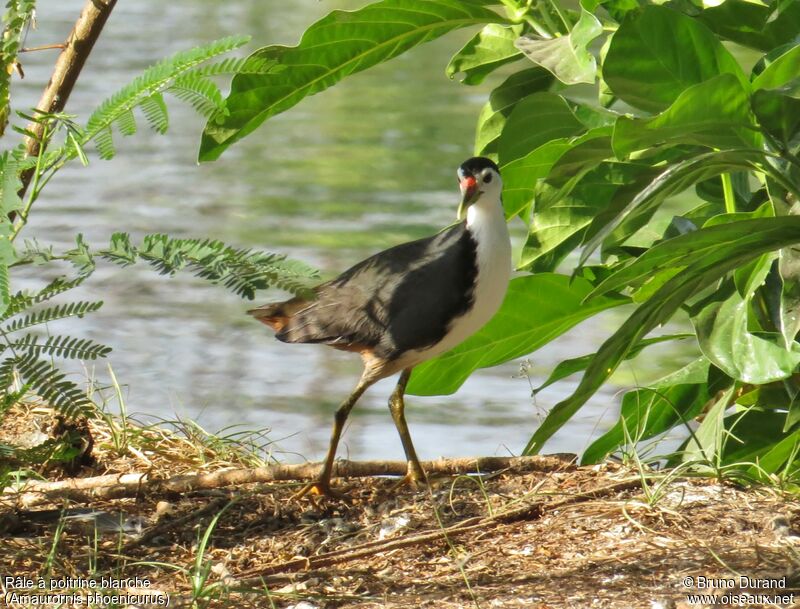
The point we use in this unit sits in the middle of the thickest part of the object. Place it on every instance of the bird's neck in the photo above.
(486, 221)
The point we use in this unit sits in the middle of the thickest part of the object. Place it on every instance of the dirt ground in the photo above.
(562, 536)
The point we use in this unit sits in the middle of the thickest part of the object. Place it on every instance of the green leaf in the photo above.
(536, 120)
(567, 57)
(537, 309)
(502, 101)
(677, 178)
(746, 239)
(721, 327)
(340, 44)
(781, 71)
(758, 26)
(715, 113)
(658, 53)
(647, 412)
(520, 176)
(707, 442)
(778, 112)
(489, 49)
(701, 273)
(578, 364)
(560, 218)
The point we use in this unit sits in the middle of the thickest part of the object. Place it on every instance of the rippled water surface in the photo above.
(362, 166)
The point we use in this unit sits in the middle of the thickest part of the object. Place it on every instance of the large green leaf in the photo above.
(340, 44)
(536, 120)
(747, 238)
(658, 53)
(578, 364)
(708, 441)
(677, 398)
(721, 327)
(701, 273)
(502, 101)
(759, 26)
(782, 70)
(677, 178)
(521, 176)
(489, 49)
(566, 56)
(560, 217)
(778, 112)
(714, 113)
(537, 309)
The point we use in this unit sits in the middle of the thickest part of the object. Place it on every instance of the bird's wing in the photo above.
(399, 299)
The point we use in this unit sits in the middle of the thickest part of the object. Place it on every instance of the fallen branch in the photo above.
(116, 486)
(528, 511)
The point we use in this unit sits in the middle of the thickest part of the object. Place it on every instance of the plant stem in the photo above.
(68, 67)
(727, 191)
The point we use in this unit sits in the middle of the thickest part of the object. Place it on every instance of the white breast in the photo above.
(487, 224)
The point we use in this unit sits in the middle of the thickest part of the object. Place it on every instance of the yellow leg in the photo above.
(322, 485)
(415, 473)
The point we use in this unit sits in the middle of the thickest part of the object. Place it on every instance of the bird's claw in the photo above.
(414, 479)
(318, 488)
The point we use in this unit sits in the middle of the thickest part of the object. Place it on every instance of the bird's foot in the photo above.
(319, 488)
(415, 478)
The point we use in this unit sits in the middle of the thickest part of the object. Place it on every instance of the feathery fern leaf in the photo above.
(153, 81)
(23, 300)
(127, 123)
(236, 65)
(53, 387)
(72, 309)
(104, 140)
(155, 111)
(202, 94)
(65, 347)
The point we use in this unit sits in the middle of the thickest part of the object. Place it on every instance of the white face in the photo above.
(490, 185)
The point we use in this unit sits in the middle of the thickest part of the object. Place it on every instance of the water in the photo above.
(362, 166)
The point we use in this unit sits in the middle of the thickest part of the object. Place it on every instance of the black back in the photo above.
(400, 299)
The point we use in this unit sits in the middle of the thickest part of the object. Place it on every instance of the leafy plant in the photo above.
(691, 117)
(27, 350)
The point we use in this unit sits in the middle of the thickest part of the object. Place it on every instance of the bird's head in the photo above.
(478, 179)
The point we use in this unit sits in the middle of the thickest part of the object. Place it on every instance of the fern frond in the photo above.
(65, 347)
(155, 111)
(72, 309)
(154, 80)
(241, 270)
(81, 257)
(52, 386)
(104, 140)
(236, 65)
(127, 123)
(202, 94)
(23, 300)
(121, 251)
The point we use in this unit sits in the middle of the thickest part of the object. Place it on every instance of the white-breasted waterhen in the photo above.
(408, 303)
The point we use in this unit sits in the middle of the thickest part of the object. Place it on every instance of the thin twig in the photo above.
(43, 47)
(68, 67)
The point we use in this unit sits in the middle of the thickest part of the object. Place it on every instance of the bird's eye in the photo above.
(487, 178)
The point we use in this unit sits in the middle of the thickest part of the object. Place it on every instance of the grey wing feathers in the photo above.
(399, 299)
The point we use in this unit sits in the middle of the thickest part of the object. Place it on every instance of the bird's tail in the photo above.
(274, 315)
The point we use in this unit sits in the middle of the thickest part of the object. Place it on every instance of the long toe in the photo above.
(319, 488)
(415, 478)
